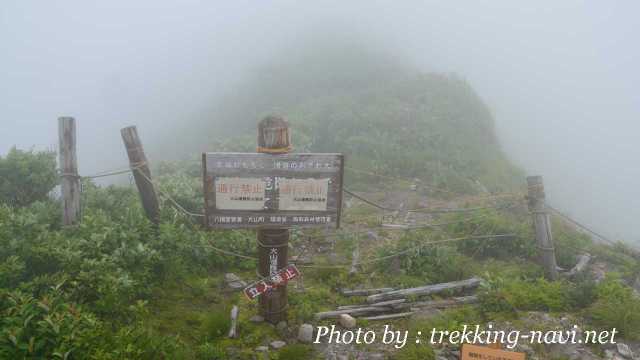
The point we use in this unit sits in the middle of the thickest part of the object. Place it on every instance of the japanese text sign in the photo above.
(250, 190)
(279, 278)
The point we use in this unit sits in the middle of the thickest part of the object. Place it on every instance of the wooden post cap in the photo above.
(273, 135)
(535, 186)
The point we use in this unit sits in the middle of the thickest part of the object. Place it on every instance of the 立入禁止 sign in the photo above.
(251, 190)
(279, 278)
(475, 352)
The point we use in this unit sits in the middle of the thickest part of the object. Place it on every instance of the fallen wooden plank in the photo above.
(388, 316)
(345, 307)
(367, 310)
(383, 303)
(438, 304)
(365, 292)
(389, 302)
(425, 290)
(583, 261)
(395, 226)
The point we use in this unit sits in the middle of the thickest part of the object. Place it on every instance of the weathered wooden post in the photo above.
(141, 173)
(542, 226)
(273, 243)
(70, 181)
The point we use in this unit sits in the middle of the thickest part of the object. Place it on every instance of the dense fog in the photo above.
(561, 78)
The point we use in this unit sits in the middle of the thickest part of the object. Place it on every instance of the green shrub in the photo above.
(216, 324)
(582, 292)
(450, 320)
(569, 244)
(26, 176)
(501, 295)
(493, 222)
(211, 351)
(48, 327)
(415, 352)
(294, 352)
(432, 263)
(620, 256)
(12, 270)
(617, 307)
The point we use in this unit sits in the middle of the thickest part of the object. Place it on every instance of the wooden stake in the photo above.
(70, 182)
(233, 330)
(141, 172)
(273, 244)
(542, 225)
(355, 256)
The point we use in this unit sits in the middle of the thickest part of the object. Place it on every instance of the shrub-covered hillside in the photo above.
(117, 287)
(384, 115)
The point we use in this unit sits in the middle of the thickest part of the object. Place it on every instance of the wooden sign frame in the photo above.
(251, 185)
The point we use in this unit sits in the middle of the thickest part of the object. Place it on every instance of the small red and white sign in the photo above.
(280, 278)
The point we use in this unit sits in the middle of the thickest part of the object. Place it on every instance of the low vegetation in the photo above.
(117, 287)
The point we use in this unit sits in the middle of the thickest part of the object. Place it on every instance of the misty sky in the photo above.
(561, 77)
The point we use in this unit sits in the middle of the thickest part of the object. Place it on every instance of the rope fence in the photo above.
(403, 227)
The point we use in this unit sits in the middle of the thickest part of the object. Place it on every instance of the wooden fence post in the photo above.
(70, 181)
(273, 243)
(141, 173)
(542, 226)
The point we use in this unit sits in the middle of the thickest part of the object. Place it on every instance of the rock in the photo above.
(282, 326)
(231, 277)
(347, 321)
(305, 333)
(625, 351)
(531, 354)
(372, 235)
(234, 282)
(599, 272)
(256, 319)
(238, 285)
(278, 344)
(342, 357)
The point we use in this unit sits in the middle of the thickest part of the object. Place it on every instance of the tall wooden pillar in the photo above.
(542, 226)
(70, 181)
(273, 243)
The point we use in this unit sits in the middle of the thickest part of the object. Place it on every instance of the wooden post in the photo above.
(273, 243)
(141, 172)
(70, 181)
(542, 226)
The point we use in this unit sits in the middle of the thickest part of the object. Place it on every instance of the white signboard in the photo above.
(235, 193)
(303, 194)
(257, 190)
